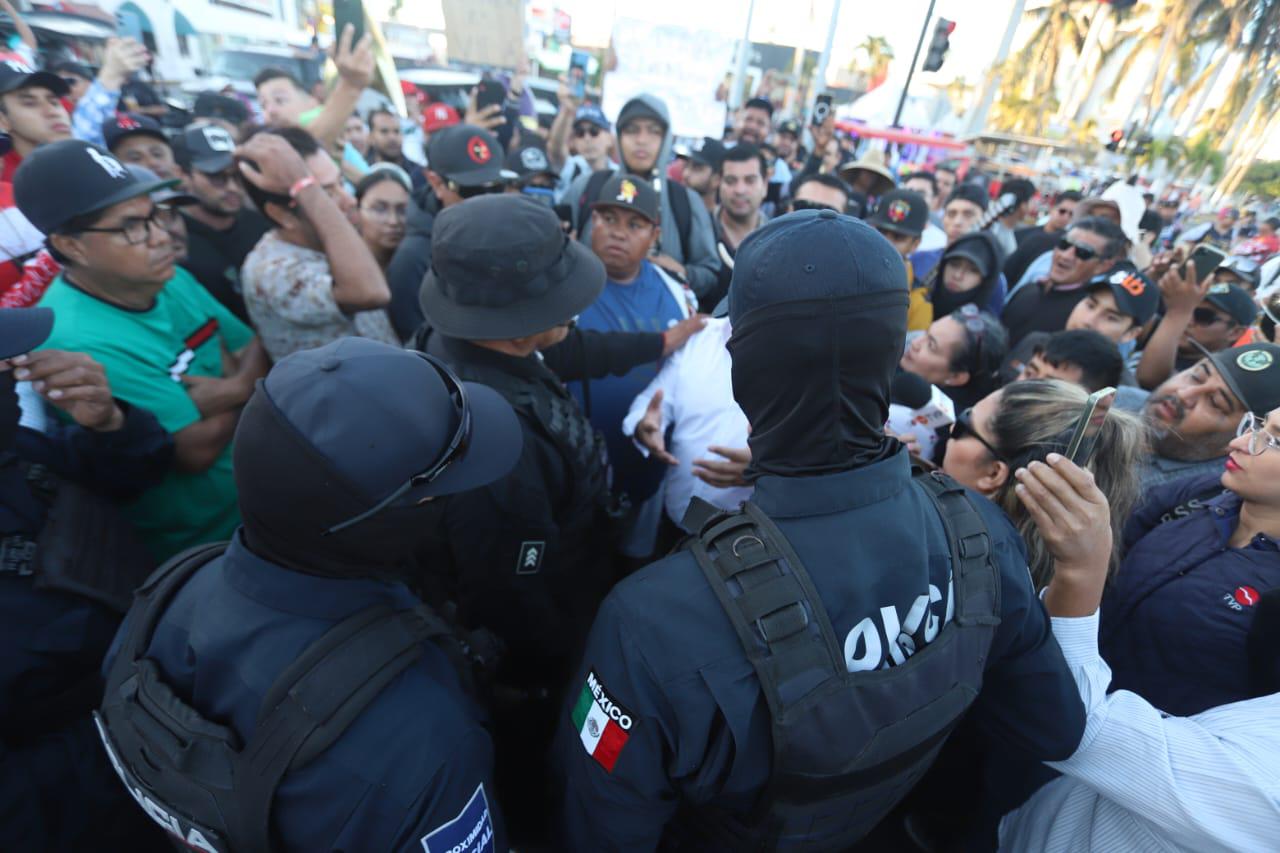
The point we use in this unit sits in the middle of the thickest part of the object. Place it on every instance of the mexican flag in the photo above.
(603, 725)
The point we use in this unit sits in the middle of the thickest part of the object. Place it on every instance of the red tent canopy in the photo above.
(905, 137)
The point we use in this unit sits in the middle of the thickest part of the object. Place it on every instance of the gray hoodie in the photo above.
(699, 258)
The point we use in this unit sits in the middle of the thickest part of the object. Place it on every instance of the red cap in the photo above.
(437, 116)
(408, 88)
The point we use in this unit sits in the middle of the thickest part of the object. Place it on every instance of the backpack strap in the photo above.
(682, 211)
(970, 548)
(595, 183)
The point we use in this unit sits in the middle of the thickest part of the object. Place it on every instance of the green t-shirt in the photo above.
(145, 354)
(310, 115)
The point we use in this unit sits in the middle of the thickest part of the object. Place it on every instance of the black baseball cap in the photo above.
(23, 329)
(759, 104)
(204, 148)
(69, 178)
(15, 75)
(79, 69)
(468, 155)
(902, 212)
(123, 125)
(219, 106)
(709, 152)
(503, 268)
(1252, 373)
(629, 192)
(529, 159)
(1134, 293)
(971, 193)
(1234, 300)
(1246, 269)
(789, 126)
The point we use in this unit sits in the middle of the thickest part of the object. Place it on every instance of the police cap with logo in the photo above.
(502, 268)
(1252, 373)
(204, 148)
(529, 160)
(1234, 301)
(15, 75)
(902, 212)
(64, 180)
(628, 192)
(1134, 293)
(469, 156)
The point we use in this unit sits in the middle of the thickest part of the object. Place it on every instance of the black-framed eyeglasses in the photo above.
(964, 426)
(1084, 253)
(456, 447)
(220, 179)
(482, 189)
(587, 130)
(805, 204)
(970, 316)
(1207, 317)
(137, 229)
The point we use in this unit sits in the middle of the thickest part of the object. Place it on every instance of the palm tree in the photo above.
(1058, 35)
(878, 53)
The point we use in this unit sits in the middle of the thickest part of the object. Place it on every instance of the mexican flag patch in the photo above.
(603, 725)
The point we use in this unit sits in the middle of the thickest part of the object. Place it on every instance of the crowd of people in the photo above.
(443, 481)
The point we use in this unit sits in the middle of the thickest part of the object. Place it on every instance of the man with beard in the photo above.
(1194, 414)
(221, 229)
(715, 707)
(702, 172)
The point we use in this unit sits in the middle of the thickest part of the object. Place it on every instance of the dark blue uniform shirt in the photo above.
(1175, 619)
(663, 654)
(412, 772)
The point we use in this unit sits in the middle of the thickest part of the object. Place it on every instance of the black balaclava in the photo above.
(10, 410)
(981, 245)
(289, 495)
(819, 311)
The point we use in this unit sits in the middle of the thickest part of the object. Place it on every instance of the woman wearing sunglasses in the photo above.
(961, 354)
(1025, 422)
(1184, 618)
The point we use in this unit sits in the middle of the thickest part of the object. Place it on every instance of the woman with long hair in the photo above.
(1025, 422)
(382, 200)
(961, 354)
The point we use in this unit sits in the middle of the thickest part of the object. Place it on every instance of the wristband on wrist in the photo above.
(300, 185)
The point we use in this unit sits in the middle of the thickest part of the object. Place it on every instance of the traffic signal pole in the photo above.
(915, 57)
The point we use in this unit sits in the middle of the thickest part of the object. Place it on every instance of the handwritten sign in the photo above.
(485, 32)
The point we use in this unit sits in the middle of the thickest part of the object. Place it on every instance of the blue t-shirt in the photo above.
(644, 305)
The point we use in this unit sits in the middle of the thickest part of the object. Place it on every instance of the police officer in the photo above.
(530, 553)
(68, 564)
(286, 691)
(788, 678)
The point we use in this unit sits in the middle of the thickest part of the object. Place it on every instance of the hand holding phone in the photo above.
(1206, 259)
(1084, 436)
(490, 93)
(821, 109)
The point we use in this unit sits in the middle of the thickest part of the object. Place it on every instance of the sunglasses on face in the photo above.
(1206, 317)
(587, 130)
(1084, 253)
(964, 427)
(220, 179)
(805, 204)
(483, 189)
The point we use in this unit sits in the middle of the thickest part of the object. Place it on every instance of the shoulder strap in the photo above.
(970, 542)
(683, 213)
(594, 184)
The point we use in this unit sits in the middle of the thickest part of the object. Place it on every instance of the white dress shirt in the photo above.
(697, 397)
(1141, 781)
(932, 238)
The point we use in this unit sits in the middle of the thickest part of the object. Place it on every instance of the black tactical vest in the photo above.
(846, 746)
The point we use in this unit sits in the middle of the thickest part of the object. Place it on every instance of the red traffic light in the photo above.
(1117, 135)
(951, 26)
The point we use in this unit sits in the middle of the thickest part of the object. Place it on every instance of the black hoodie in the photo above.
(980, 245)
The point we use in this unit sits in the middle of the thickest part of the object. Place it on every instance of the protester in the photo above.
(665, 652)
(1036, 240)
(78, 78)
(947, 178)
(961, 354)
(466, 161)
(1090, 246)
(61, 486)
(1194, 413)
(395, 754)
(530, 171)
(591, 142)
(901, 217)
(311, 279)
(968, 273)
(961, 216)
(356, 134)
(1264, 244)
(1220, 232)
(1080, 356)
(926, 185)
(1003, 227)
(868, 175)
(754, 122)
(138, 139)
(166, 344)
(121, 58)
(1141, 780)
(173, 200)
(31, 112)
(382, 198)
(820, 192)
(702, 172)
(386, 145)
(1240, 271)
(786, 138)
(1118, 305)
(221, 110)
(687, 247)
(1025, 422)
(743, 181)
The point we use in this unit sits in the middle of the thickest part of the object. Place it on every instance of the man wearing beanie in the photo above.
(319, 704)
(960, 217)
(687, 247)
(715, 706)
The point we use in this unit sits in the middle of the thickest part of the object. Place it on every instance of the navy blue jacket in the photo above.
(55, 785)
(664, 653)
(412, 772)
(1176, 618)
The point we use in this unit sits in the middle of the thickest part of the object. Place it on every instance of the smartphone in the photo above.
(1206, 259)
(129, 26)
(1084, 437)
(821, 109)
(578, 74)
(490, 92)
(348, 12)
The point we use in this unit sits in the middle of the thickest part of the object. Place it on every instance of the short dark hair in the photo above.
(74, 225)
(981, 362)
(1273, 221)
(947, 167)
(380, 176)
(825, 180)
(759, 104)
(744, 152)
(266, 75)
(1097, 356)
(381, 111)
(302, 142)
(921, 176)
(1067, 195)
(1116, 244)
(1022, 189)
